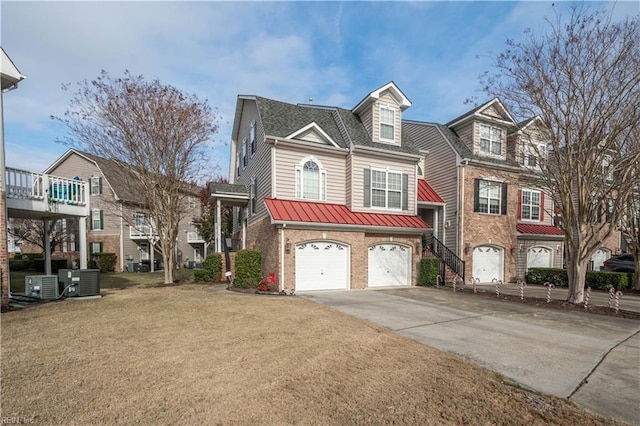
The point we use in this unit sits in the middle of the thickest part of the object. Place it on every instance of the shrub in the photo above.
(213, 264)
(202, 275)
(428, 271)
(556, 276)
(18, 264)
(598, 280)
(37, 265)
(106, 262)
(247, 269)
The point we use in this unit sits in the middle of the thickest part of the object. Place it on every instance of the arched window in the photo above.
(310, 180)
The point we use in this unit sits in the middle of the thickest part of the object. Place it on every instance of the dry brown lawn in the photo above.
(162, 355)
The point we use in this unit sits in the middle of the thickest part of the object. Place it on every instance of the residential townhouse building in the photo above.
(333, 198)
(481, 164)
(118, 222)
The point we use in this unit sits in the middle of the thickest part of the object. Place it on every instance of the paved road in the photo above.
(594, 360)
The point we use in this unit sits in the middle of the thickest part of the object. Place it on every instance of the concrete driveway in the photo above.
(592, 359)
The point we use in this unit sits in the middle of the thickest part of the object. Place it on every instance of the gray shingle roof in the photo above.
(281, 119)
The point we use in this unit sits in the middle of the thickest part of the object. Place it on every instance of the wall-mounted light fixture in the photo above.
(287, 246)
(467, 247)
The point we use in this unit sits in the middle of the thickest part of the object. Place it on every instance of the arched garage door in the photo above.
(487, 263)
(389, 265)
(539, 257)
(322, 265)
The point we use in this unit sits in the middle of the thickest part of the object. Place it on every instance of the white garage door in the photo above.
(539, 257)
(322, 265)
(599, 257)
(487, 263)
(389, 265)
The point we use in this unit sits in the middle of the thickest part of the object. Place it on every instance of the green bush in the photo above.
(247, 269)
(106, 262)
(202, 275)
(18, 264)
(598, 280)
(428, 271)
(213, 264)
(37, 265)
(556, 276)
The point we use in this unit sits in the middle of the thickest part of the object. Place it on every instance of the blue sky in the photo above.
(333, 52)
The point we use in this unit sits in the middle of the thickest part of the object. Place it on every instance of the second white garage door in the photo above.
(389, 265)
(322, 265)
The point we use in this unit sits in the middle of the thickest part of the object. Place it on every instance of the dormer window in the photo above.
(490, 140)
(387, 123)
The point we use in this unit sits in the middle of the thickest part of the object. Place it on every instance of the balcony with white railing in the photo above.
(193, 237)
(37, 194)
(141, 232)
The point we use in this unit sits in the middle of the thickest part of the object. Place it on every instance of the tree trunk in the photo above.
(576, 271)
(167, 258)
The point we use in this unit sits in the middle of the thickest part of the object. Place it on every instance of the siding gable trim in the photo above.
(313, 126)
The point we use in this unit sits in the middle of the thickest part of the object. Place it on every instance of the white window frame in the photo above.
(491, 140)
(95, 185)
(95, 247)
(483, 193)
(252, 137)
(192, 202)
(531, 205)
(392, 125)
(95, 216)
(322, 180)
(244, 153)
(386, 189)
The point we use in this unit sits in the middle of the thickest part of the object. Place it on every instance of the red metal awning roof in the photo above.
(528, 228)
(337, 214)
(427, 194)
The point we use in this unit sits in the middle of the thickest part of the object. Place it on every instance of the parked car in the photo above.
(620, 263)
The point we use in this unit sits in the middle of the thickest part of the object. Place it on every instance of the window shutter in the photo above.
(519, 203)
(367, 187)
(541, 206)
(91, 220)
(503, 204)
(476, 195)
(100, 185)
(405, 191)
(90, 248)
(100, 248)
(101, 220)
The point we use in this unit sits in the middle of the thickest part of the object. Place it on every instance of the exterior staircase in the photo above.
(451, 266)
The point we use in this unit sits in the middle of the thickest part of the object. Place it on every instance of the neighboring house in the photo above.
(333, 198)
(495, 220)
(118, 223)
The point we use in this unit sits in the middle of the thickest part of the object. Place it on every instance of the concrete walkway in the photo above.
(592, 359)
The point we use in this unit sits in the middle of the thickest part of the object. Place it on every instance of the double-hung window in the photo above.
(311, 180)
(96, 185)
(490, 140)
(530, 204)
(96, 219)
(387, 123)
(386, 189)
(490, 197)
(252, 137)
(244, 154)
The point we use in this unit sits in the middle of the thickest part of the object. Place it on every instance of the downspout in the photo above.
(282, 243)
(274, 189)
(444, 219)
(461, 211)
(121, 240)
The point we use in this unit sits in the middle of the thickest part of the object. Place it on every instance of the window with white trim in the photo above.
(311, 180)
(96, 185)
(252, 137)
(490, 197)
(387, 123)
(244, 154)
(490, 140)
(192, 202)
(96, 219)
(530, 205)
(252, 189)
(386, 189)
(532, 153)
(95, 247)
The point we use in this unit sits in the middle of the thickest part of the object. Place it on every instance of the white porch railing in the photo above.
(194, 237)
(143, 232)
(23, 184)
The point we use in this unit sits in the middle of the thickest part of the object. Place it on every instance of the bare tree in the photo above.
(158, 131)
(581, 78)
(32, 231)
(206, 223)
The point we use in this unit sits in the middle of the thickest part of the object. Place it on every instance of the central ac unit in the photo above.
(43, 287)
(79, 282)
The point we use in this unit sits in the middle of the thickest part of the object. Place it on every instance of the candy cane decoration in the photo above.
(522, 284)
(495, 281)
(438, 278)
(475, 284)
(618, 296)
(455, 283)
(586, 298)
(549, 287)
(612, 291)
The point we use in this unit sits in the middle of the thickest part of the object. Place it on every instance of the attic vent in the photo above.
(310, 101)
